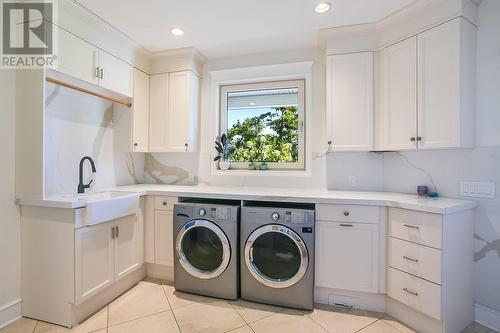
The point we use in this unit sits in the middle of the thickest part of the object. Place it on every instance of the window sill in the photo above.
(261, 173)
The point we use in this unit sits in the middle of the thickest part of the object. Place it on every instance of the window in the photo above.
(264, 122)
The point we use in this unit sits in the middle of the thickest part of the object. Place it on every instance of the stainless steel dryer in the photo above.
(206, 247)
(277, 254)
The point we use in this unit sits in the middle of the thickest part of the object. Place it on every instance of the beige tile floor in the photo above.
(154, 306)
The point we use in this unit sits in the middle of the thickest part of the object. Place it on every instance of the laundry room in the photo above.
(289, 166)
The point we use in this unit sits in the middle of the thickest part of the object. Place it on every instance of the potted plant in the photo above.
(224, 150)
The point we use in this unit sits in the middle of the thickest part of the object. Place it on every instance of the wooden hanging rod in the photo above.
(86, 91)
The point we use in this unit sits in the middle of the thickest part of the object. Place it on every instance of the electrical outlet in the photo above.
(478, 189)
(352, 181)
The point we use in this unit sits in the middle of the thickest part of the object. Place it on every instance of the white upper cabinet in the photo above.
(158, 112)
(115, 74)
(173, 120)
(398, 118)
(428, 90)
(444, 62)
(349, 91)
(84, 61)
(77, 58)
(140, 112)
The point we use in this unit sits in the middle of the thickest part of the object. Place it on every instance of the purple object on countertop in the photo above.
(422, 190)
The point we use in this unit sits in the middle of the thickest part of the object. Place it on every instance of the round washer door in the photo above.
(276, 256)
(203, 249)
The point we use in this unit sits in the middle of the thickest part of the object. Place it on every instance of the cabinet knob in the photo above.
(412, 139)
(330, 143)
(346, 213)
(419, 138)
(186, 145)
(135, 144)
(164, 203)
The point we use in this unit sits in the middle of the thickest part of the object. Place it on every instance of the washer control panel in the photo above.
(295, 217)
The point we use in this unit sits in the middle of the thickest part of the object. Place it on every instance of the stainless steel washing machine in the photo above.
(206, 247)
(277, 254)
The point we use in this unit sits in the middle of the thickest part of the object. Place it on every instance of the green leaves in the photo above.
(269, 137)
(223, 148)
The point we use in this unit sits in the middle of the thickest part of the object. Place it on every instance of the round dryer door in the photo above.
(203, 249)
(276, 256)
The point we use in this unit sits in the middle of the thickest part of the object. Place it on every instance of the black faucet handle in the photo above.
(88, 185)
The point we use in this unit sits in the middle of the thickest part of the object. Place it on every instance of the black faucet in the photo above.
(81, 186)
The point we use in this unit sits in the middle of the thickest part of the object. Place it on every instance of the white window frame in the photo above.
(251, 74)
(300, 84)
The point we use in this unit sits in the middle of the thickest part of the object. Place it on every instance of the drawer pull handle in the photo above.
(346, 225)
(410, 292)
(410, 259)
(346, 213)
(411, 226)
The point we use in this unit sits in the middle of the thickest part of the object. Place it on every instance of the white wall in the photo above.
(10, 274)
(77, 125)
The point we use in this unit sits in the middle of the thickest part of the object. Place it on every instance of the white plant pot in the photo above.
(224, 165)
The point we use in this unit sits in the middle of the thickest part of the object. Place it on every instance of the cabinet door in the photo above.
(140, 115)
(164, 243)
(350, 101)
(439, 86)
(116, 74)
(76, 57)
(93, 260)
(180, 110)
(128, 245)
(158, 112)
(347, 256)
(399, 108)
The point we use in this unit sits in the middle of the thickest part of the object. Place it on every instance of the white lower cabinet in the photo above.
(430, 265)
(347, 253)
(106, 252)
(164, 248)
(128, 245)
(93, 260)
(420, 294)
(347, 256)
(159, 229)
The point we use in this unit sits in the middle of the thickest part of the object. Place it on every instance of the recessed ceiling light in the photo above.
(322, 7)
(177, 31)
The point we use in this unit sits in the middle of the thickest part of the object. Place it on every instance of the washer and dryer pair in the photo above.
(268, 247)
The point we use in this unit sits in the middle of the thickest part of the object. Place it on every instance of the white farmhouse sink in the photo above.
(106, 206)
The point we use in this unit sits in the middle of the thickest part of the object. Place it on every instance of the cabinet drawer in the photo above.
(417, 227)
(165, 203)
(347, 213)
(421, 295)
(419, 260)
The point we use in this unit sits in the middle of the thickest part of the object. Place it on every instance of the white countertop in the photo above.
(387, 199)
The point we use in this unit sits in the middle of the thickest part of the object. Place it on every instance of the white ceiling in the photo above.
(220, 28)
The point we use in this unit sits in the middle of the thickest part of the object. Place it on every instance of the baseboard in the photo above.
(160, 272)
(10, 312)
(487, 316)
